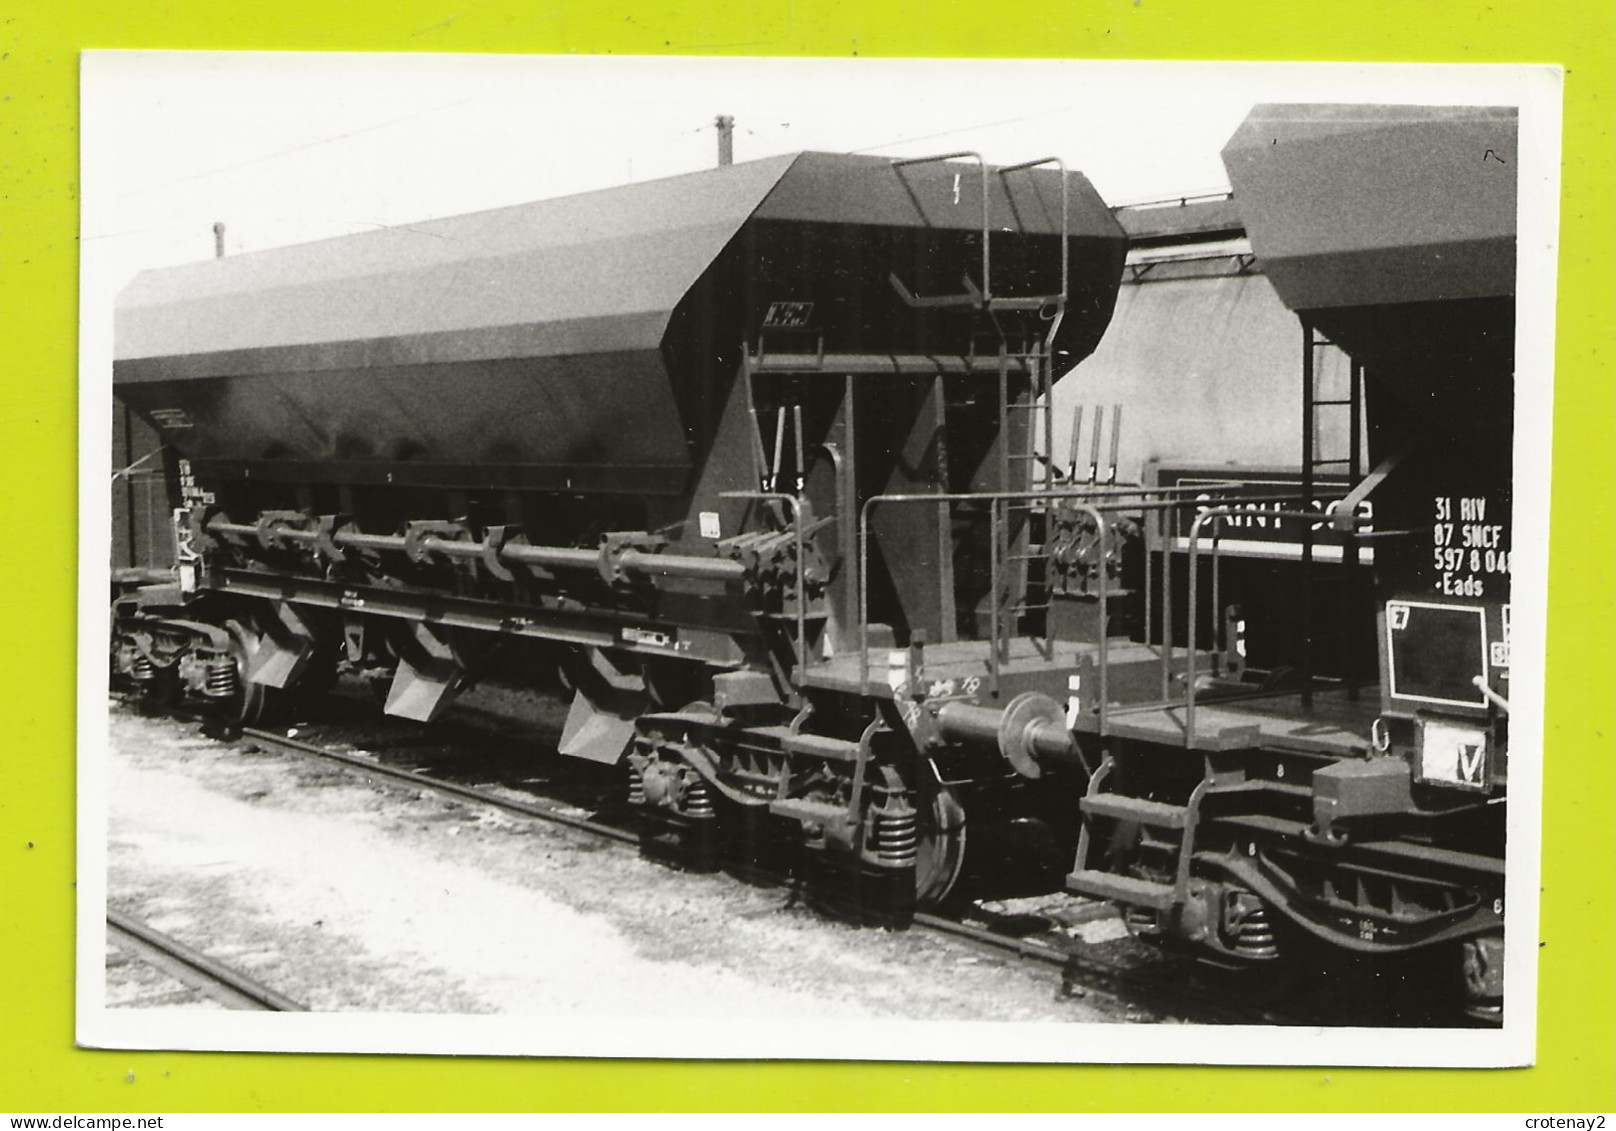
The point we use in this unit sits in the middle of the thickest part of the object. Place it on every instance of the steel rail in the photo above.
(1114, 981)
(936, 924)
(1118, 981)
(230, 988)
(438, 785)
(1095, 975)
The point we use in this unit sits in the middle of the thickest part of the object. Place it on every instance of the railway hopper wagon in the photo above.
(756, 457)
(1371, 820)
(762, 461)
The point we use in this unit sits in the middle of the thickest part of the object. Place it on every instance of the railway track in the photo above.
(1161, 988)
(193, 969)
(1140, 981)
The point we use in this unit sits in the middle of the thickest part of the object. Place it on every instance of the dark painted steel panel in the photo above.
(1392, 230)
(608, 408)
(843, 188)
(1371, 205)
(593, 331)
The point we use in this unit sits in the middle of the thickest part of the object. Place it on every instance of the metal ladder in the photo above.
(1016, 553)
(1314, 348)
(1016, 519)
(1172, 826)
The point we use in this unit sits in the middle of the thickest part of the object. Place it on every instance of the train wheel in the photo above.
(940, 853)
(678, 810)
(160, 692)
(1482, 968)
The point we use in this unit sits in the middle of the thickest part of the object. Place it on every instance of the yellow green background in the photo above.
(41, 1071)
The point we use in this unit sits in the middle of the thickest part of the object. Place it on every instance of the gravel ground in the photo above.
(348, 894)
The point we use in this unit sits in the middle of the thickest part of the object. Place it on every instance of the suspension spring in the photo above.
(696, 800)
(221, 681)
(143, 670)
(1256, 938)
(895, 836)
(636, 786)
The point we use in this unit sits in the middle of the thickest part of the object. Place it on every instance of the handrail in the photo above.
(901, 162)
(1480, 684)
(1191, 659)
(128, 471)
(1112, 492)
(985, 299)
(1066, 233)
(1168, 538)
(1207, 197)
(1096, 512)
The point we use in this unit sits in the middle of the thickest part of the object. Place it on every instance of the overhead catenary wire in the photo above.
(299, 148)
(964, 129)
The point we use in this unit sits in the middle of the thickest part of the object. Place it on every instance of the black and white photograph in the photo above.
(980, 560)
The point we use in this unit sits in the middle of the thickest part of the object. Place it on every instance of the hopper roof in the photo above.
(598, 271)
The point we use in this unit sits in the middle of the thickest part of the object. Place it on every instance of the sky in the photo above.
(288, 148)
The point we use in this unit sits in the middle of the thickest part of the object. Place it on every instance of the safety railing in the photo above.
(984, 297)
(996, 501)
(987, 259)
(1094, 502)
(1167, 539)
(1216, 516)
(1100, 505)
(1066, 244)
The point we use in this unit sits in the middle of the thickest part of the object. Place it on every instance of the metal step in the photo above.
(1123, 889)
(1124, 808)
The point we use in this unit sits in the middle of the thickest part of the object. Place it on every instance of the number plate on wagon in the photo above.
(1453, 755)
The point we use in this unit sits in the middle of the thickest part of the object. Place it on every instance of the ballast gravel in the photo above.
(351, 894)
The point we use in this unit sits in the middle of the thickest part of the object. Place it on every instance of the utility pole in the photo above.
(726, 139)
(218, 241)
